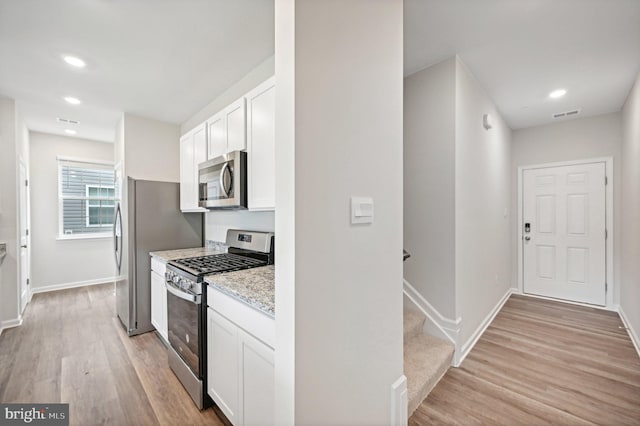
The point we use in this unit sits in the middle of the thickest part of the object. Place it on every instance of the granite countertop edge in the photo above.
(169, 255)
(255, 304)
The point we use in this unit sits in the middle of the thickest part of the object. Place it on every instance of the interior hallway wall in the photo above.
(429, 184)
(483, 200)
(630, 288)
(338, 285)
(57, 262)
(575, 139)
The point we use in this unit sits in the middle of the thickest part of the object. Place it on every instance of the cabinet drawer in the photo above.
(253, 321)
(158, 266)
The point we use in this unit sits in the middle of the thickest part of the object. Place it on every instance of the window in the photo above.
(86, 199)
(100, 205)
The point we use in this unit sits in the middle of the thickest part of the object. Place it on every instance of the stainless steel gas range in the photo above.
(187, 304)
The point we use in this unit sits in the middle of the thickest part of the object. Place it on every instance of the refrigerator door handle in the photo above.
(117, 237)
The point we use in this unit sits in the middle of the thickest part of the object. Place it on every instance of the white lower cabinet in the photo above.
(159, 299)
(222, 364)
(257, 380)
(240, 372)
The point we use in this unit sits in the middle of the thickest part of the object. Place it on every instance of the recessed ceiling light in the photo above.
(72, 100)
(557, 93)
(70, 132)
(74, 61)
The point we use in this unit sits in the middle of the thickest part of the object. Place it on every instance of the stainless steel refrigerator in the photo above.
(148, 218)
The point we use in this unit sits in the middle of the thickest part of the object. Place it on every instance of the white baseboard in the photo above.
(632, 332)
(64, 286)
(610, 308)
(10, 324)
(399, 402)
(437, 324)
(470, 343)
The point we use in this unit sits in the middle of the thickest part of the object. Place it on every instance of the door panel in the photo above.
(565, 248)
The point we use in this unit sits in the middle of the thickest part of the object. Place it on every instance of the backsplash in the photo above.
(218, 222)
(216, 245)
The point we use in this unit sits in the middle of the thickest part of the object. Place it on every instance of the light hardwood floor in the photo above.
(542, 362)
(73, 349)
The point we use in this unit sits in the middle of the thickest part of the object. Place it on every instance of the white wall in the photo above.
(217, 222)
(483, 198)
(630, 288)
(151, 149)
(429, 183)
(59, 262)
(576, 139)
(339, 133)
(256, 76)
(8, 211)
(14, 140)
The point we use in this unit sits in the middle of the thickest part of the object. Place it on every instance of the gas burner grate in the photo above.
(219, 263)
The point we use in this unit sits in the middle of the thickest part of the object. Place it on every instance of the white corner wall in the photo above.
(482, 213)
(575, 139)
(429, 184)
(339, 134)
(14, 146)
(9, 309)
(630, 283)
(59, 263)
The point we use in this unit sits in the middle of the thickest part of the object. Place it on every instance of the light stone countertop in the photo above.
(168, 255)
(255, 287)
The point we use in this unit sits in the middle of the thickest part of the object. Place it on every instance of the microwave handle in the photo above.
(224, 168)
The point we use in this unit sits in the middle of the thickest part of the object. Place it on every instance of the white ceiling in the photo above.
(167, 59)
(520, 50)
(162, 59)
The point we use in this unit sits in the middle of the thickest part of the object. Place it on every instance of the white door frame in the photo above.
(22, 186)
(611, 287)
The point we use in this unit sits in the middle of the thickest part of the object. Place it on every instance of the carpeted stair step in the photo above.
(426, 360)
(413, 323)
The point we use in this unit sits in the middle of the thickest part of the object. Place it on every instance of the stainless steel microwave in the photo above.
(222, 182)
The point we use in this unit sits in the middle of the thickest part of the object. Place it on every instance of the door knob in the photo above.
(527, 238)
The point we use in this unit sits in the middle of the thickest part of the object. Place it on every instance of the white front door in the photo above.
(564, 241)
(24, 238)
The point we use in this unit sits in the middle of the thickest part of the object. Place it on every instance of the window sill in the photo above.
(99, 236)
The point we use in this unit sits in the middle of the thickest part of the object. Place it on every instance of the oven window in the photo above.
(183, 330)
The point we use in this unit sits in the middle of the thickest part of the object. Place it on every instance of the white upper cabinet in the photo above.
(217, 135)
(228, 130)
(261, 140)
(193, 151)
(236, 126)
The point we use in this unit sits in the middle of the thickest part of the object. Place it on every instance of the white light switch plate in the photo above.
(361, 210)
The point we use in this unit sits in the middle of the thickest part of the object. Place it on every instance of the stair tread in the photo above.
(426, 360)
(413, 322)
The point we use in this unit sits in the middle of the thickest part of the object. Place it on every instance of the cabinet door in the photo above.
(199, 152)
(236, 126)
(257, 380)
(187, 183)
(222, 364)
(217, 135)
(159, 304)
(261, 138)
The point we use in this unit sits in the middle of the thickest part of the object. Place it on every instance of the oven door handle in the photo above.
(193, 298)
